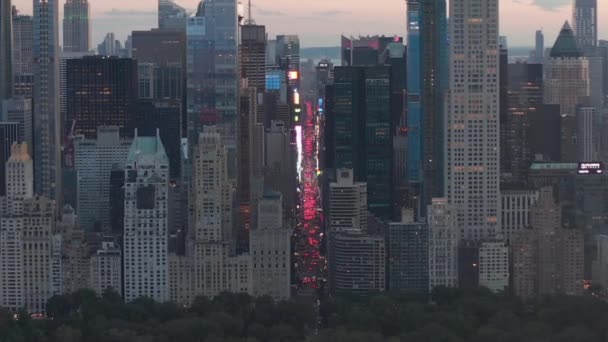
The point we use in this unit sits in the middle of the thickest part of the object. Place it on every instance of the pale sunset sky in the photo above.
(320, 22)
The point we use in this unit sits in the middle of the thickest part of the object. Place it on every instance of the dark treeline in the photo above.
(448, 316)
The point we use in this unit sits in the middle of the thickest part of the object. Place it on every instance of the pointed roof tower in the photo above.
(566, 44)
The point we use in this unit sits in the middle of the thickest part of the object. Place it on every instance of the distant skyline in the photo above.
(321, 22)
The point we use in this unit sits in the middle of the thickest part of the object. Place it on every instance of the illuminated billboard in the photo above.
(293, 75)
(273, 81)
(590, 168)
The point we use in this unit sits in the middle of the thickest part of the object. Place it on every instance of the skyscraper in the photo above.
(426, 84)
(6, 50)
(539, 51)
(221, 24)
(146, 255)
(171, 15)
(23, 60)
(566, 79)
(47, 121)
(524, 104)
(26, 239)
(23, 41)
(76, 26)
(213, 73)
(473, 118)
(584, 20)
(253, 56)
(94, 160)
(101, 91)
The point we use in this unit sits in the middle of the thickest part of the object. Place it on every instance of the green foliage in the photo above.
(447, 315)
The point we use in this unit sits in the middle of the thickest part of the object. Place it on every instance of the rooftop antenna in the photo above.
(250, 20)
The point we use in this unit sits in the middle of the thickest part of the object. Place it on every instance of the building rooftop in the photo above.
(566, 44)
(147, 146)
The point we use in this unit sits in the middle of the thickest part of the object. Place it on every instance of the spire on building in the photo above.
(566, 44)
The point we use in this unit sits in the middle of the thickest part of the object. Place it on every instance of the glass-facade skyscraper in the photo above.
(6, 50)
(427, 83)
(362, 128)
(213, 74)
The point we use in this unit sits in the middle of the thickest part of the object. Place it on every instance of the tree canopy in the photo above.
(447, 315)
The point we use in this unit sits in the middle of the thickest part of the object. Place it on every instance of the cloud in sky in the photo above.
(549, 5)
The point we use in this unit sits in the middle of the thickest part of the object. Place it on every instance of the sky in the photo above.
(321, 22)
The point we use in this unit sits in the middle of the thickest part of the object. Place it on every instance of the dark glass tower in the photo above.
(164, 115)
(378, 140)
(525, 104)
(101, 91)
(6, 49)
(427, 83)
(363, 132)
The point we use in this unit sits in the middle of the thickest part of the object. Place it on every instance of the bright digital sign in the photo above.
(273, 81)
(592, 168)
(293, 75)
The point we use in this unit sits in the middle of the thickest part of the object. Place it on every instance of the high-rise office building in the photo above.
(473, 118)
(76, 26)
(63, 84)
(250, 161)
(47, 120)
(566, 82)
(378, 146)
(171, 16)
(426, 84)
(19, 110)
(146, 264)
(101, 91)
(214, 269)
(587, 133)
(444, 237)
(524, 104)
(253, 56)
(26, 239)
(359, 111)
(9, 135)
(94, 160)
(539, 47)
(280, 165)
(408, 254)
(584, 20)
(288, 53)
(221, 26)
(23, 42)
(347, 204)
(200, 91)
(163, 52)
(270, 249)
(6, 50)
(164, 115)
